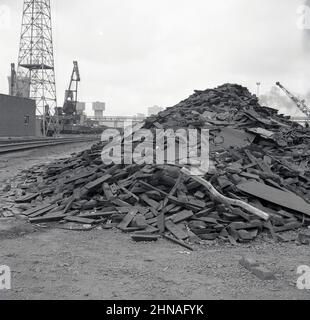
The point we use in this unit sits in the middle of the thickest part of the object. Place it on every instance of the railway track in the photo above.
(23, 145)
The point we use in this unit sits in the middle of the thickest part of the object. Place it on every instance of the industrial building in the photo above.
(80, 108)
(98, 108)
(18, 116)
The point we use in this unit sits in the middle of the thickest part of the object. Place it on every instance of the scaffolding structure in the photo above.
(36, 58)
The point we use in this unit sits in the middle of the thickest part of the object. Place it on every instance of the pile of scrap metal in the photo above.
(258, 179)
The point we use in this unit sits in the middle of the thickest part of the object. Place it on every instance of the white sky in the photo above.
(138, 53)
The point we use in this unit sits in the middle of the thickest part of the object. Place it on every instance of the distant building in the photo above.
(140, 115)
(80, 108)
(98, 108)
(18, 116)
(154, 110)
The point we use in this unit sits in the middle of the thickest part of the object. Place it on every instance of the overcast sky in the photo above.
(138, 53)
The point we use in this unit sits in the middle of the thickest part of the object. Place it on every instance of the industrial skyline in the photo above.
(133, 68)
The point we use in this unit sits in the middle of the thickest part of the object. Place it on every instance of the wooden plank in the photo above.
(43, 211)
(161, 221)
(182, 204)
(139, 221)
(80, 220)
(245, 225)
(263, 166)
(69, 203)
(181, 243)
(53, 218)
(124, 209)
(49, 218)
(129, 193)
(142, 210)
(128, 218)
(270, 227)
(80, 176)
(176, 218)
(98, 214)
(181, 216)
(153, 188)
(207, 220)
(27, 198)
(197, 203)
(288, 226)
(177, 231)
(150, 229)
(97, 182)
(233, 138)
(171, 198)
(241, 213)
(121, 203)
(249, 175)
(154, 204)
(153, 220)
(107, 191)
(169, 207)
(276, 196)
(164, 208)
(131, 229)
(144, 237)
(36, 209)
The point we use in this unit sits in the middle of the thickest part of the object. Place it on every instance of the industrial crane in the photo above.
(69, 106)
(66, 115)
(301, 104)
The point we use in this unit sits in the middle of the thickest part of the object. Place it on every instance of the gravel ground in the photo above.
(106, 264)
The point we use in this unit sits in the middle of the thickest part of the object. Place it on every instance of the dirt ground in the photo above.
(106, 264)
(12, 163)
